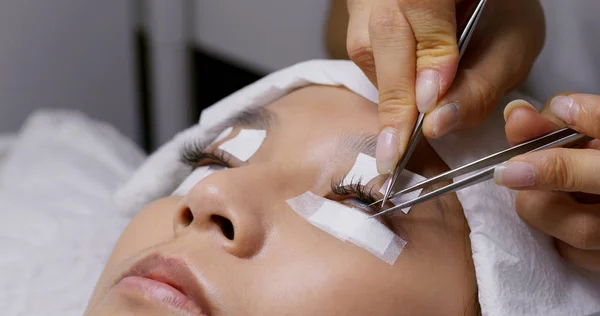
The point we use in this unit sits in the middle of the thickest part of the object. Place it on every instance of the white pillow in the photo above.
(58, 222)
(6, 141)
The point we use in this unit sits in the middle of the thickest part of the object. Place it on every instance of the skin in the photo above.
(564, 196)
(278, 263)
(408, 49)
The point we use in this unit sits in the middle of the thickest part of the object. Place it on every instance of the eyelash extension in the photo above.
(192, 153)
(356, 188)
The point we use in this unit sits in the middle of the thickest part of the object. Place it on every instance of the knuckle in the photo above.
(394, 100)
(436, 43)
(429, 52)
(387, 24)
(361, 53)
(395, 107)
(559, 170)
(483, 93)
(433, 21)
(586, 233)
(483, 88)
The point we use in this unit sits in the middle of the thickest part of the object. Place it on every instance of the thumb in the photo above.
(524, 123)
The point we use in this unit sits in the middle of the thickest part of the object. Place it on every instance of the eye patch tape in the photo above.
(245, 144)
(365, 169)
(349, 224)
(196, 176)
(405, 180)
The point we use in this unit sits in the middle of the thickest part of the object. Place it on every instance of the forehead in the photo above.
(319, 119)
(334, 107)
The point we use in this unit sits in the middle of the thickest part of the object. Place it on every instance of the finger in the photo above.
(524, 123)
(434, 25)
(490, 68)
(474, 94)
(394, 52)
(569, 170)
(560, 216)
(587, 259)
(594, 144)
(580, 112)
(358, 42)
(546, 111)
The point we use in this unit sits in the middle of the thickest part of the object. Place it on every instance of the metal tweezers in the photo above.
(415, 137)
(565, 137)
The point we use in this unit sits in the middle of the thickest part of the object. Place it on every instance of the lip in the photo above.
(168, 282)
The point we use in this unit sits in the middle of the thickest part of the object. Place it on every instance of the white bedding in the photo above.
(57, 219)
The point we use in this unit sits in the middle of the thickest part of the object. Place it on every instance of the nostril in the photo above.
(186, 217)
(225, 225)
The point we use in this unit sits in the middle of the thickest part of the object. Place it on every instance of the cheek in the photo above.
(313, 273)
(150, 227)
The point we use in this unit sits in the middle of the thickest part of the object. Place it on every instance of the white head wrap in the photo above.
(518, 270)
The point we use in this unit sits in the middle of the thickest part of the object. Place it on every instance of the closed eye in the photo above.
(195, 156)
(356, 194)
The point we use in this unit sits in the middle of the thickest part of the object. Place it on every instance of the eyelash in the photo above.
(193, 153)
(355, 188)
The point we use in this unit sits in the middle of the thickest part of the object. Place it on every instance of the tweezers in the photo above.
(565, 137)
(416, 134)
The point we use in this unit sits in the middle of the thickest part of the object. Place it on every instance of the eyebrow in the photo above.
(359, 143)
(257, 118)
(263, 118)
(254, 118)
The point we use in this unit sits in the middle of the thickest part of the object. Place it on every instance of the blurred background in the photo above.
(149, 67)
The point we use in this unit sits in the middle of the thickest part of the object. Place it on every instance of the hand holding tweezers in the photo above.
(463, 41)
(562, 138)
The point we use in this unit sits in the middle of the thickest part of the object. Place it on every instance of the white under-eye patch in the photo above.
(349, 224)
(405, 180)
(325, 218)
(364, 169)
(223, 135)
(196, 176)
(379, 240)
(245, 144)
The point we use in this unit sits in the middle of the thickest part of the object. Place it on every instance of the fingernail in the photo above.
(515, 175)
(565, 109)
(514, 105)
(387, 150)
(427, 89)
(445, 119)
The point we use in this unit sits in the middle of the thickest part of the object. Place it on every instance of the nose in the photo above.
(226, 208)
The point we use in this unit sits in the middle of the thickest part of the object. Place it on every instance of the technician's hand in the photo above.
(408, 49)
(559, 188)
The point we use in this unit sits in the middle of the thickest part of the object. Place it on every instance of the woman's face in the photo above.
(233, 246)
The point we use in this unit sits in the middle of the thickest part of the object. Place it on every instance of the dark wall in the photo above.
(214, 78)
